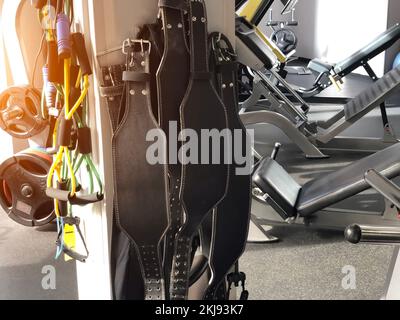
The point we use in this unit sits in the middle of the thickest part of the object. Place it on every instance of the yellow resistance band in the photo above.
(69, 113)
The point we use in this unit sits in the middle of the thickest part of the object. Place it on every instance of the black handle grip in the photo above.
(78, 42)
(55, 68)
(86, 199)
(84, 141)
(64, 137)
(373, 234)
(78, 200)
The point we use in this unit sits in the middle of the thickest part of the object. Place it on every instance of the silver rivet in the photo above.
(220, 59)
(107, 77)
(203, 20)
(143, 63)
(169, 26)
(194, 19)
(132, 92)
(111, 98)
(180, 25)
(224, 86)
(144, 92)
(231, 85)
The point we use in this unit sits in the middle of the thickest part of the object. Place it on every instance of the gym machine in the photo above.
(292, 118)
(381, 235)
(313, 204)
(284, 36)
(326, 74)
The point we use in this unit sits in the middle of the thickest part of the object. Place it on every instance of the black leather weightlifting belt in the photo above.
(232, 216)
(126, 275)
(203, 185)
(172, 82)
(141, 204)
(113, 90)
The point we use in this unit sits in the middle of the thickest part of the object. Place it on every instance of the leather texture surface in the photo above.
(172, 82)
(232, 216)
(203, 185)
(126, 275)
(141, 203)
(377, 46)
(342, 184)
(273, 180)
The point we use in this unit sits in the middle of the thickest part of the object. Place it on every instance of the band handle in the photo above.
(78, 200)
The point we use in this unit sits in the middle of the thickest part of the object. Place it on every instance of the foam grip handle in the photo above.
(84, 141)
(78, 200)
(58, 194)
(78, 42)
(63, 36)
(63, 205)
(55, 72)
(83, 200)
(64, 138)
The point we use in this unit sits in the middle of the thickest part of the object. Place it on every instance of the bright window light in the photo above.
(3, 71)
(11, 42)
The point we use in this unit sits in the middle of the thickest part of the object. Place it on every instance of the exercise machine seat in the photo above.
(287, 195)
(320, 66)
(379, 45)
(274, 180)
(347, 182)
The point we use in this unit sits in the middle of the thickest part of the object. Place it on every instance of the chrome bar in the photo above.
(373, 234)
(384, 186)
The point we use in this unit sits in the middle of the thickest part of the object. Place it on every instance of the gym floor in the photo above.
(306, 264)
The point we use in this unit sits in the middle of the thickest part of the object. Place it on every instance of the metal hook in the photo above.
(142, 46)
(125, 44)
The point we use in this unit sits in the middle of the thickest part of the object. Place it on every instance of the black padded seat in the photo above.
(273, 180)
(345, 183)
(287, 196)
(379, 45)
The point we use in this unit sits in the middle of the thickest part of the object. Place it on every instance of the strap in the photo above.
(126, 273)
(174, 65)
(140, 188)
(112, 90)
(199, 34)
(232, 217)
(173, 4)
(203, 185)
(65, 249)
(131, 76)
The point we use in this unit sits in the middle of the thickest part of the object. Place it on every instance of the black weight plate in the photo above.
(24, 177)
(20, 112)
(285, 39)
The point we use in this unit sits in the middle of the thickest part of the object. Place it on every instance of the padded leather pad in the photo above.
(273, 180)
(342, 184)
(203, 185)
(379, 45)
(320, 66)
